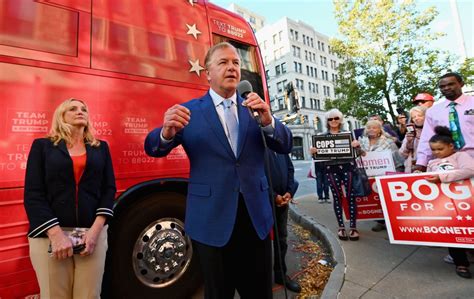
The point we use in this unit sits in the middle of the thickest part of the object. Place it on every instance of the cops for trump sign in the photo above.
(333, 146)
(418, 212)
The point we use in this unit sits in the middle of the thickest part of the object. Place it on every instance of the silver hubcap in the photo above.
(162, 253)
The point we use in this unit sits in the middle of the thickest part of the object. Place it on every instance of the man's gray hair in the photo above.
(214, 48)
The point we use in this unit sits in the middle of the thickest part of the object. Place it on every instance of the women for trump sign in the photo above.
(377, 163)
(418, 212)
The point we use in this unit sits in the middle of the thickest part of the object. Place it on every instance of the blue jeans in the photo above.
(322, 184)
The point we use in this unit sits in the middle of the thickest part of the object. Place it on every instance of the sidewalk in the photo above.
(374, 268)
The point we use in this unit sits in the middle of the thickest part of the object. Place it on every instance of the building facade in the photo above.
(256, 21)
(294, 52)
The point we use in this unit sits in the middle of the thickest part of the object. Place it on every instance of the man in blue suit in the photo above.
(284, 186)
(228, 213)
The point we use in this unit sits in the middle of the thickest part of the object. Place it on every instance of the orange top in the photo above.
(79, 164)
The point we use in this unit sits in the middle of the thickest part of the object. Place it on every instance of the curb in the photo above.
(336, 280)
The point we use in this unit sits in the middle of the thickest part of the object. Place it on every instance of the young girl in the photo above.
(462, 167)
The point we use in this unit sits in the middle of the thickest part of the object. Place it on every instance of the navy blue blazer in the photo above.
(50, 187)
(282, 174)
(218, 176)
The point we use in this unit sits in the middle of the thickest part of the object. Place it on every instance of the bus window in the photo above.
(44, 32)
(249, 63)
(36, 27)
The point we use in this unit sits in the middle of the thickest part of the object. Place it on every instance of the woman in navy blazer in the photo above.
(69, 184)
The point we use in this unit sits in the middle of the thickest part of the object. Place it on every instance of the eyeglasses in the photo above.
(333, 118)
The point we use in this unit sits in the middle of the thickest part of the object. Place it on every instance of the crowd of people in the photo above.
(421, 139)
(228, 214)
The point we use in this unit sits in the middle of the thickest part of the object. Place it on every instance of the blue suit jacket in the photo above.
(217, 176)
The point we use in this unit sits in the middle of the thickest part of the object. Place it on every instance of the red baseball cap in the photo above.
(423, 97)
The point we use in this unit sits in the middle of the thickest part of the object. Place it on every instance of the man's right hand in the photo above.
(175, 119)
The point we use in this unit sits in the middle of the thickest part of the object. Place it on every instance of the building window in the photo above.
(296, 35)
(327, 91)
(274, 39)
(280, 86)
(299, 84)
(319, 45)
(280, 35)
(283, 67)
(312, 43)
(277, 54)
(323, 60)
(277, 70)
(296, 51)
(322, 47)
(252, 20)
(292, 34)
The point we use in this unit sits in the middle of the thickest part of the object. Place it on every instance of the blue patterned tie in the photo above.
(232, 125)
(454, 126)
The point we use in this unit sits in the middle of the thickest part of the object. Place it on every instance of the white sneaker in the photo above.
(448, 259)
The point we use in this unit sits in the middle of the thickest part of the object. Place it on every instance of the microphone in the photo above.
(244, 88)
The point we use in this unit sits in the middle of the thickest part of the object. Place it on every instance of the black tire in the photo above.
(123, 281)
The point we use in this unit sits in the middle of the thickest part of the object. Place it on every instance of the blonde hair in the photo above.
(334, 113)
(420, 109)
(373, 122)
(60, 130)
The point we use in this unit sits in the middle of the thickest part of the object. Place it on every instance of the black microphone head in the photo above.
(244, 88)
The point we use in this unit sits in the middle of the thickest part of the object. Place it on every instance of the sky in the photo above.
(319, 15)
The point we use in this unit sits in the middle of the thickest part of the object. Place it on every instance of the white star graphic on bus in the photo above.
(468, 217)
(191, 2)
(459, 217)
(193, 31)
(195, 67)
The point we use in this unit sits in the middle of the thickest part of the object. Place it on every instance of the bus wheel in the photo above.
(150, 254)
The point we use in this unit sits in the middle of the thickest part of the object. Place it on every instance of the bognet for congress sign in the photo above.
(418, 212)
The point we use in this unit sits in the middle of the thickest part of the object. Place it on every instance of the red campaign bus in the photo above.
(129, 60)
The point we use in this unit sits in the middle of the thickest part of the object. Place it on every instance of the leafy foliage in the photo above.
(467, 71)
(387, 60)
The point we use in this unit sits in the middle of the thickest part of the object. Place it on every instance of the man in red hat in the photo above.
(423, 99)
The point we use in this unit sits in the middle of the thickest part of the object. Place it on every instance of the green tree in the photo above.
(386, 56)
(467, 71)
